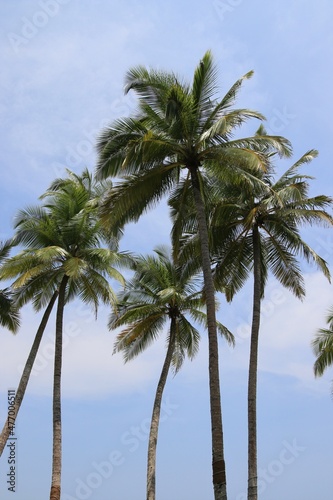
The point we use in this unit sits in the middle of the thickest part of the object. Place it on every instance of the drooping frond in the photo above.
(322, 346)
(187, 344)
(9, 312)
(323, 349)
(63, 237)
(150, 85)
(285, 267)
(138, 336)
(5, 247)
(136, 194)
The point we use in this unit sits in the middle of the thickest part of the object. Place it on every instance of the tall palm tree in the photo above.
(255, 230)
(322, 346)
(263, 235)
(41, 290)
(160, 292)
(180, 131)
(9, 314)
(63, 240)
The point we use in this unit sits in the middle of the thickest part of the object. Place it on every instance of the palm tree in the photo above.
(160, 292)
(323, 347)
(263, 234)
(9, 315)
(180, 131)
(254, 231)
(63, 250)
(39, 290)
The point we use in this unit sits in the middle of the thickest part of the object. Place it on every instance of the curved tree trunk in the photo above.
(155, 419)
(218, 462)
(26, 373)
(56, 458)
(252, 493)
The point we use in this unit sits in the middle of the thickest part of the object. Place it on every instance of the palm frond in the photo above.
(204, 85)
(9, 312)
(322, 346)
(136, 194)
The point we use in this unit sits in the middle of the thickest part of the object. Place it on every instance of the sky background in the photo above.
(63, 64)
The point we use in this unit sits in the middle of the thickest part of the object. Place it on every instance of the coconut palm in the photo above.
(9, 315)
(179, 132)
(62, 240)
(323, 347)
(41, 291)
(262, 234)
(160, 293)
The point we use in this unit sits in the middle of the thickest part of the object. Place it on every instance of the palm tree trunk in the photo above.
(155, 419)
(252, 493)
(56, 458)
(26, 374)
(218, 462)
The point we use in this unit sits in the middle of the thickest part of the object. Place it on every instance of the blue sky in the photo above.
(63, 66)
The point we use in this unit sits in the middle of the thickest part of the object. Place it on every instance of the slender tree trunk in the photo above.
(252, 493)
(218, 462)
(155, 419)
(26, 374)
(56, 458)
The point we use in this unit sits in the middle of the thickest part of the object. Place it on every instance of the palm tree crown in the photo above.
(178, 126)
(63, 238)
(277, 211)
(160, 291)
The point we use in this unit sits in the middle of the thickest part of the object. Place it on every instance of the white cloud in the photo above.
(288, 326)
(89, 368)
